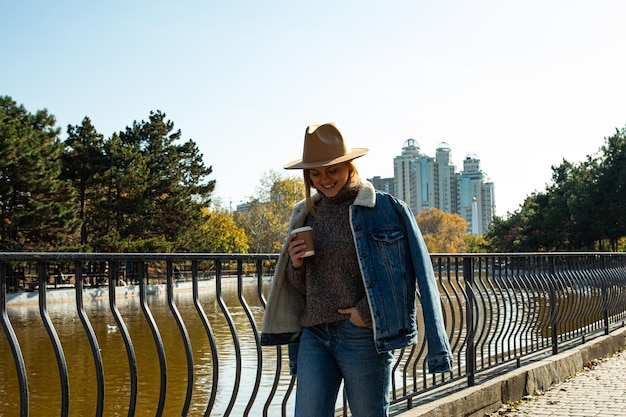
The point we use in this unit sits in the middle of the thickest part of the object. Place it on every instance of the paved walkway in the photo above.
(597, 391)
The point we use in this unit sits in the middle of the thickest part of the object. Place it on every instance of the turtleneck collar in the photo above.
(347, 194)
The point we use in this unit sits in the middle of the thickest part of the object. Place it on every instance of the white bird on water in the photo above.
(111, 328)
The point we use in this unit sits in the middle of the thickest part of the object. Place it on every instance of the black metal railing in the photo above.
(188, 328)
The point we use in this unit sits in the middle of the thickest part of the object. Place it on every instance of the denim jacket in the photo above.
(393, 258)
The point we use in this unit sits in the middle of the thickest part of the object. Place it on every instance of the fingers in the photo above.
(296, 248)
(355, 317)
(349, 310)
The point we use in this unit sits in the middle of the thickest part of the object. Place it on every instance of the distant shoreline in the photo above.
(66, 295)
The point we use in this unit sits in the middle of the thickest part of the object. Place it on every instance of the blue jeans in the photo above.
(331, 352)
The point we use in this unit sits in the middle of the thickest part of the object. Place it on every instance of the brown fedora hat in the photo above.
(324, 146)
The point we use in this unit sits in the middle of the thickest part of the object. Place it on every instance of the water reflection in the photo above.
(43, 374)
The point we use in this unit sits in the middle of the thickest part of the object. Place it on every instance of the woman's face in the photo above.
(330, 180)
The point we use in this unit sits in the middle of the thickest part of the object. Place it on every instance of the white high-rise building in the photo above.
(406, 174)
(445, 180)
(425, 182)
(475, 186)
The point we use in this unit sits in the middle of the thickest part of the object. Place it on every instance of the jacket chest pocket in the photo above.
(390, 245)
(388, 237)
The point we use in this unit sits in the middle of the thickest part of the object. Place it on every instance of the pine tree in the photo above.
(36, 206)
(155, 188)
(84, 164)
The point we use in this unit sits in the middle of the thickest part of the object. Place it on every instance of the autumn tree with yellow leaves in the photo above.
(267, 218)
(443, 232)
(221, 234)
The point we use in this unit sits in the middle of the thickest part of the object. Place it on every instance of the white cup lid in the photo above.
(301, 229)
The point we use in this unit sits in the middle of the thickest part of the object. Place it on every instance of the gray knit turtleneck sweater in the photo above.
(331, 279)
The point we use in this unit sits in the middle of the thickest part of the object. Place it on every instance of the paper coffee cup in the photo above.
(306, 233)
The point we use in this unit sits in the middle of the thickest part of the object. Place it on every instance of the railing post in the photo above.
(605, 294)
(470, 353)
(554, 323)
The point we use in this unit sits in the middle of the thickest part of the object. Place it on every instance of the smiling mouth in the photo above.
(329, 186)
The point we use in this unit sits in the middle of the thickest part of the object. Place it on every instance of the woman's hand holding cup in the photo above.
(300, 245)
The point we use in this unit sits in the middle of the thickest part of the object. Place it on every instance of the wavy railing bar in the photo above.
(128, 343)
(210, 336)
(93, 340)
(54, 339)
(156, 336)
(16, 351)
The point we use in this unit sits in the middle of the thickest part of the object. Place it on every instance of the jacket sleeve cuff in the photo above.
(441, 362)
(296, 277)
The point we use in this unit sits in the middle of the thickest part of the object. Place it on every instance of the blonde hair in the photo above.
(353, 180)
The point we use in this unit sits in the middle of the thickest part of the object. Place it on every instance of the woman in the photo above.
(349, 305)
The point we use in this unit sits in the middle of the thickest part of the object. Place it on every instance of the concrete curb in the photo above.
(488, 396)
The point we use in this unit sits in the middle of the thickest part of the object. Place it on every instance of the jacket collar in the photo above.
(366, 196)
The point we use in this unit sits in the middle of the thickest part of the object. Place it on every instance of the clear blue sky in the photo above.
(521, 84)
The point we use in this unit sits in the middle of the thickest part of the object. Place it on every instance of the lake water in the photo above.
(43, 375)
